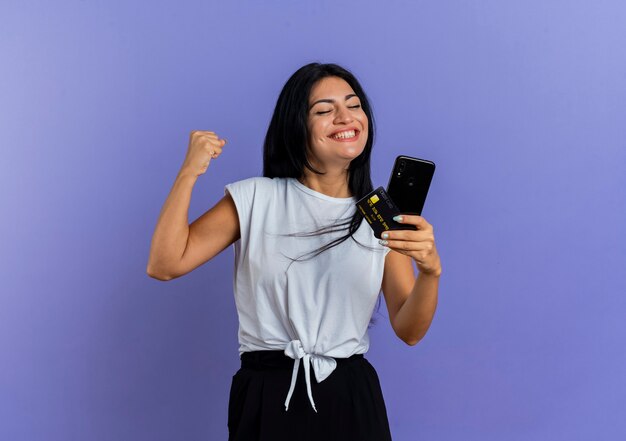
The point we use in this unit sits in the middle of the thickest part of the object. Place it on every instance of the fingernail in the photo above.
(382, 242)
(397, 218)
(385, 235)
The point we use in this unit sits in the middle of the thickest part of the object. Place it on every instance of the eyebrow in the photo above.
(331, 101)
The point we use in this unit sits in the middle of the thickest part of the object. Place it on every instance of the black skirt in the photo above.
(349, 402)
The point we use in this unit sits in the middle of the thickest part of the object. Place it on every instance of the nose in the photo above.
(343, 115)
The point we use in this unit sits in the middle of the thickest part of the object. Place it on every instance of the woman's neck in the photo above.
(333, 185)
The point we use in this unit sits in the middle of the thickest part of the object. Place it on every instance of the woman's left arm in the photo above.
(411, 301)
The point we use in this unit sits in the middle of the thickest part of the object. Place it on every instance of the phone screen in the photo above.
(409, 183)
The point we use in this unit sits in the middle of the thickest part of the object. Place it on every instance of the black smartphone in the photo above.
(409, 183)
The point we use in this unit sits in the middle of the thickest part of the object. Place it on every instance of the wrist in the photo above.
(435, 272)
(185, 173)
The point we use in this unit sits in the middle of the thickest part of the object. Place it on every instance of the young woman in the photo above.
(308, 270)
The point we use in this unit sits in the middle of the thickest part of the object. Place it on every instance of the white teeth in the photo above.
(345, 135)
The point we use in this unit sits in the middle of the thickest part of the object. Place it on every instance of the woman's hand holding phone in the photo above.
(203, 146)
(408, 187)
(418, 244)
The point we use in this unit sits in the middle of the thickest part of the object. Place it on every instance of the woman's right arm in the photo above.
(178, 248)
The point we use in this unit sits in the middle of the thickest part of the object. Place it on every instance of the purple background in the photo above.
(522, 105)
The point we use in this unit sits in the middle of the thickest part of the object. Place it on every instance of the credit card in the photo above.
(379, 210)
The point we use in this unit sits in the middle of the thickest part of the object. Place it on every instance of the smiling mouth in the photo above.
(346, 135)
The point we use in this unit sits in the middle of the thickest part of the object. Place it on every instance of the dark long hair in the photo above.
(285, 147)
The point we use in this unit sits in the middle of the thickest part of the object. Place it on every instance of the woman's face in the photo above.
(337, 124)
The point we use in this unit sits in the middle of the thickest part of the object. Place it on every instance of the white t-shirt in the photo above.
(312, 309)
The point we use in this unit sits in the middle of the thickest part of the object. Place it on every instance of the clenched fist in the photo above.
(203, 146)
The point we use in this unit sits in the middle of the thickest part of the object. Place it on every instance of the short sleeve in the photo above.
(244, 194)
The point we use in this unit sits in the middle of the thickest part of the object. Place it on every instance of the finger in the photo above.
(217, 142)
(415, 235)
(420, 257)
(215, 152)
(202, 133)
(412, 219)
(405, 245)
